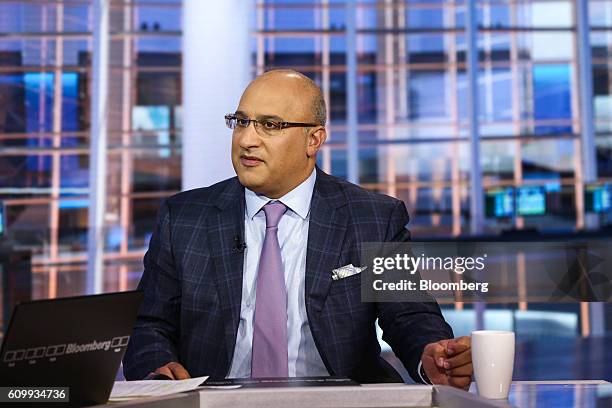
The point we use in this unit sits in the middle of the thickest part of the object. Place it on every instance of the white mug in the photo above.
(493, 361)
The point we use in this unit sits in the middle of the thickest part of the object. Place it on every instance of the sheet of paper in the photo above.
(123, 390)
(220, 387)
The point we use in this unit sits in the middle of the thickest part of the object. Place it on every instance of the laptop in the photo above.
(75, 342)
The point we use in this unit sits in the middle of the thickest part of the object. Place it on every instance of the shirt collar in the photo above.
(298, 199)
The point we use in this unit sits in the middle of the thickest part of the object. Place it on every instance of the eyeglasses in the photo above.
(267, 126)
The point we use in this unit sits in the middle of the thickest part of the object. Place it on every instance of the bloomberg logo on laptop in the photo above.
(57, 350)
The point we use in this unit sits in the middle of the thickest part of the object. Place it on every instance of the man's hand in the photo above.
(449, 362)
(173, 370)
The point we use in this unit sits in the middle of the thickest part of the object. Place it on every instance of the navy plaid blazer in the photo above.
(192, 285)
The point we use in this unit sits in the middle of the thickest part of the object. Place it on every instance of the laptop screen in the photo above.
(75, 342)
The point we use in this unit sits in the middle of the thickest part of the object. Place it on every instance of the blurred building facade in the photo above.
(412, 130)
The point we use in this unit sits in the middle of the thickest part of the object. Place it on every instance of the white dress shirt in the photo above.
(304, 358)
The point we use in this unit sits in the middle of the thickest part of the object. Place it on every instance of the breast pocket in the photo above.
(349, 284)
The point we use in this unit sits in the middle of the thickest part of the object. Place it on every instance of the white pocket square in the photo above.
(346, 271)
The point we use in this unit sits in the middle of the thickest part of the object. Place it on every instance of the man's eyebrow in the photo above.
(276, 117)
(260, 117)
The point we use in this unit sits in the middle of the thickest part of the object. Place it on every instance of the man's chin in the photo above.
(251, 181)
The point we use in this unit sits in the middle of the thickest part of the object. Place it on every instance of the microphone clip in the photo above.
(239, 246)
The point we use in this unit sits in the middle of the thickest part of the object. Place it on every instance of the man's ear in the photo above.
(316, 138)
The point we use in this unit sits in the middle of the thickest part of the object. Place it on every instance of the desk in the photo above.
(561, 394)
(523, 394)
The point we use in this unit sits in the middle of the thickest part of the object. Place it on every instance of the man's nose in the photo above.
(248, 137)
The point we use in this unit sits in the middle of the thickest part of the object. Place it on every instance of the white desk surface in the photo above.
(523, 394)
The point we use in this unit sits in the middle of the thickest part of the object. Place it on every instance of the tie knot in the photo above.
(274, 211)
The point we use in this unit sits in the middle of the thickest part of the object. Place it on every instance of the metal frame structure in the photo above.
(352, 135)
(395, 26)
(98, 150)
(395, 71)
(587, 138)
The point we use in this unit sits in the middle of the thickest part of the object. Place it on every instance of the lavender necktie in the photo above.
(270, 323)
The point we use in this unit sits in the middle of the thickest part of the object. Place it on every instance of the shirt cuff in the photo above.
(422, 374)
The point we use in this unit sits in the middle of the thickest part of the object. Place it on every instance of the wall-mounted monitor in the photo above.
(598, 198)
(499, 202)
(531, 200)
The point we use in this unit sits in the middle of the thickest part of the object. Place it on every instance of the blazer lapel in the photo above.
(326, 231)
(226, 230)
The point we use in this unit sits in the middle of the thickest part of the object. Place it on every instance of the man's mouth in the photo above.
(250, 161)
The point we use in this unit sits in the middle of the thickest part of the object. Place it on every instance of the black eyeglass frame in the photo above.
(282, 125)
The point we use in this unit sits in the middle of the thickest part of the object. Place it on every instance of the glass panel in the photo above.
(600, 13)
(31, 171)
(77, 17)
(552, 98)
(294, 17)
(295, 52)
(548, 159)
(74, 170)
(337, 98)
(75, 104)
(77, 53)
(426, 16)
(156, 169)
(122, 275)
(547, 46)
(422, 162)
(73, 226)
(71, 279)
(430, 210)
(29, 102)
(495, 88)
(604, 156)
(602, 97)
(545, 14)
(550, 46)
(411, 88)
(494, 15)
(428, 95)
(560, 211)
(27, 17)
(426, 48)
(144, 95)
(497, 160)
(27, 225)
(367, 96)
(149, 18)
(143, 221)
(27, 52)
(338, 163)
(164, 45)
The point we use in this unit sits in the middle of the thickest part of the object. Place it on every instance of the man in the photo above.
(237, 277)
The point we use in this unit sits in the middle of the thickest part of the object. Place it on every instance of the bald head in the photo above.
(306, 91)
(273, 161)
